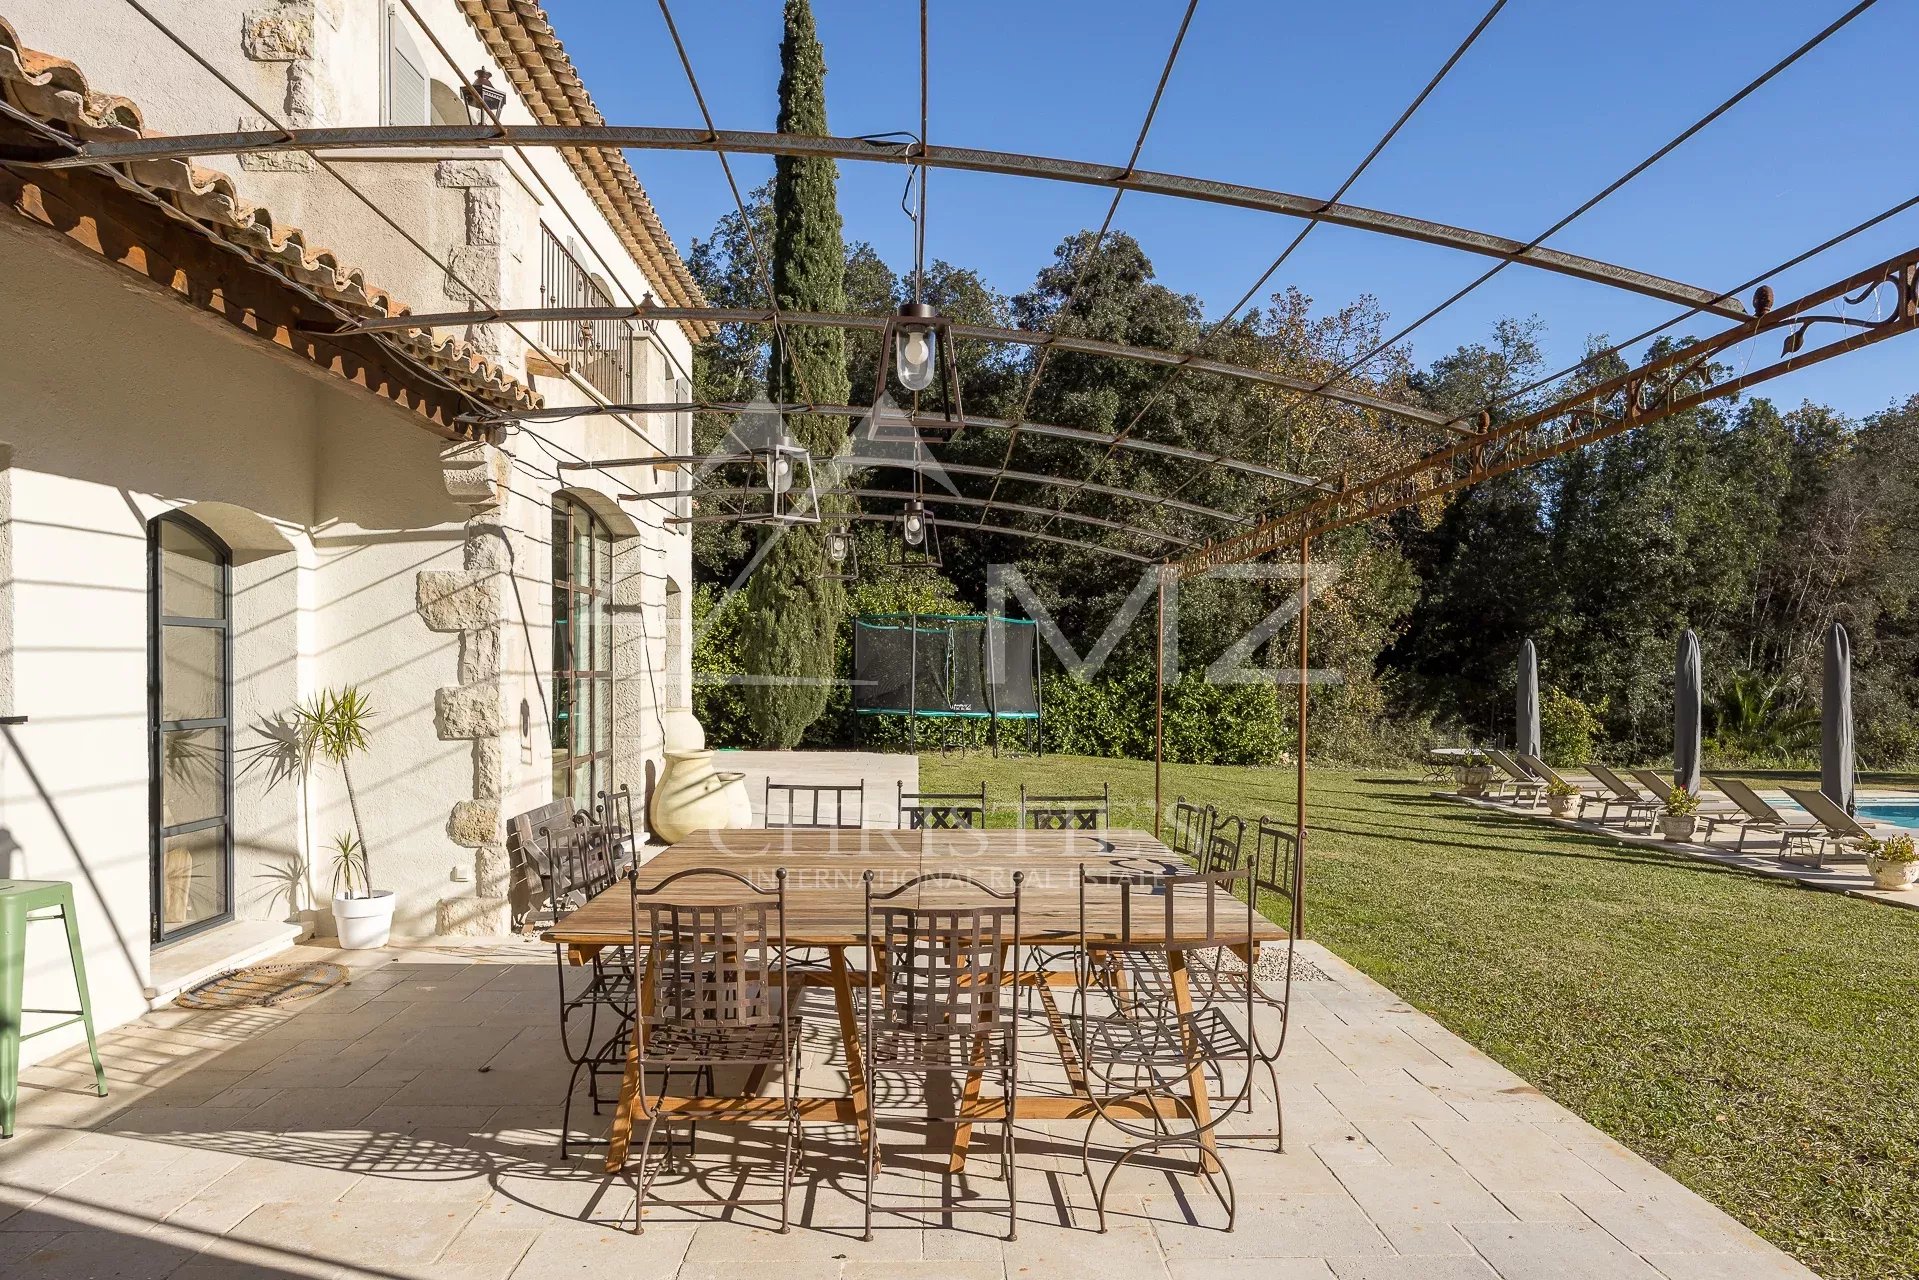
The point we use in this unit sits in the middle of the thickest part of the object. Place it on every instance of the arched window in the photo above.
(190, 686)
(582, 653)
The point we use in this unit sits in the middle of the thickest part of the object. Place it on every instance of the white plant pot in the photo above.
(1564, 806)
(693, 796)
(1678, 828)
(1893, 875)
(364, 922)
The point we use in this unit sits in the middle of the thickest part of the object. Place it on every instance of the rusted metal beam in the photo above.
(942, 500)
(868, 517)
(1637, 398)
(741, 142)
(859, 462)
(847, 320)
(970, 420)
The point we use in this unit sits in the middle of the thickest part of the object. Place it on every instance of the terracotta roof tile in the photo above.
(55, 92)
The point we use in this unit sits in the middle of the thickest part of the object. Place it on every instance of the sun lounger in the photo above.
(1621, 794)
(1540, 769)
(1662, 790)
(1838, 835)
(1523, 785)
(1755, 814)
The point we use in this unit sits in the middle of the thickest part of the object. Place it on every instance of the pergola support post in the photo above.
(1299, 810)
(1159, 703)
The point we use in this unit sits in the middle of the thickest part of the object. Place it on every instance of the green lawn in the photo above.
(1758, 1041)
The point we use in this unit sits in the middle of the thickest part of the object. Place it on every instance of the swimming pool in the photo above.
(1900, 811)
(1897, 810)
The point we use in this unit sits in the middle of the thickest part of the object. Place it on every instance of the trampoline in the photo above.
(947, 668)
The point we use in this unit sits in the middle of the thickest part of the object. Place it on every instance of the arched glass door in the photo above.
(582, 653)
(189, 686)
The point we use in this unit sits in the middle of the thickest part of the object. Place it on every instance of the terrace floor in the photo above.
(403, 1125)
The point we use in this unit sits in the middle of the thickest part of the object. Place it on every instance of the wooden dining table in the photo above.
(825, 911)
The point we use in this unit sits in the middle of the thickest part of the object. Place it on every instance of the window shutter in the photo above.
(683, 445)
(406, 76)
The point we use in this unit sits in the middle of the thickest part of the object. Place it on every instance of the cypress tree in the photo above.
(792, 616)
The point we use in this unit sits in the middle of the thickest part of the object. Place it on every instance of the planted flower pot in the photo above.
(1564, 806)
(1473, 779)
(1890, 874)
(1678, 827)
(364, 922)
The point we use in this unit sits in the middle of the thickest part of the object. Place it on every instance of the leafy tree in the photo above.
(792, 610)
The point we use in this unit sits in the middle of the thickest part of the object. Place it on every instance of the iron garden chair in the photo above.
(816, 806)
(1146, 1039)
(938, 1002)
(715, 994)
(1066, 813)
(941, 810)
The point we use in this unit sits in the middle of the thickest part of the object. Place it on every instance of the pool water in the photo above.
(1900, 811)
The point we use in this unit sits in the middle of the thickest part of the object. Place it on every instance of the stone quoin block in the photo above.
(483, 215)
(458, 600)
(475, 475)
(468, 711)
(474, 823)
(486, 544)
(479, 655)
(467, 173)
(282, 33)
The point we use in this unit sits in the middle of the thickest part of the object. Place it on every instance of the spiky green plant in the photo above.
(350, 874)
(331, 727)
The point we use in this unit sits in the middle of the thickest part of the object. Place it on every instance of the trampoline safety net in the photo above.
(945, 665)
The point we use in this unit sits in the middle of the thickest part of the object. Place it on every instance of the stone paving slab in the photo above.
(403, 1127)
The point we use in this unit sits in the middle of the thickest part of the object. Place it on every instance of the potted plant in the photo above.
(1681, 817)
(1563, 798)
(1893, 862)
(1475, 771)
(333, 728)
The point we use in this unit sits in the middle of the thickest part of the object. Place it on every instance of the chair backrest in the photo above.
(523, 833)
(583, 855)
(1540, 769)
(615, 810)
(1225, 838)
(1276, 858)
(1188, 832)
(1066, 813)
(1746, 798)
(1621, 788)
(1826, 813)
(717, 949)
(817, 804)
(1508, 767)
(941, 810)
(941, 969)
(1660, 788)
(1198, 908)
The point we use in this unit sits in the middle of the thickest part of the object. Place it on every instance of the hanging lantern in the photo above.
(786, 472)
(922, 348)
(914, 346)
(919, 544)
(842, 556)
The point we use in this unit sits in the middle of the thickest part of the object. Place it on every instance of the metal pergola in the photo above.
(1823, 324)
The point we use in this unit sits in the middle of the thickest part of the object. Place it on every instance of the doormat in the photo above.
(263, 984)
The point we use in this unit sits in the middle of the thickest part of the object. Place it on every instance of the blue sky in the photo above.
(1552, 103)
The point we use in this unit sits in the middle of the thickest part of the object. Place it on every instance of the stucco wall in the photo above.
(122, 404)
(332, 501)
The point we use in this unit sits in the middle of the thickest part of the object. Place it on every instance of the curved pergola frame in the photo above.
(859, 462)
(1050, 430)
(883, 151)
(873, 517)
(970, 332)
(956, 500)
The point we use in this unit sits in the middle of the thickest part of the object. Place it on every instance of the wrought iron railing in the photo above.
(600, 351)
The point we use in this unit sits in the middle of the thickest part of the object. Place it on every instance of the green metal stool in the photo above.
(19, 899)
